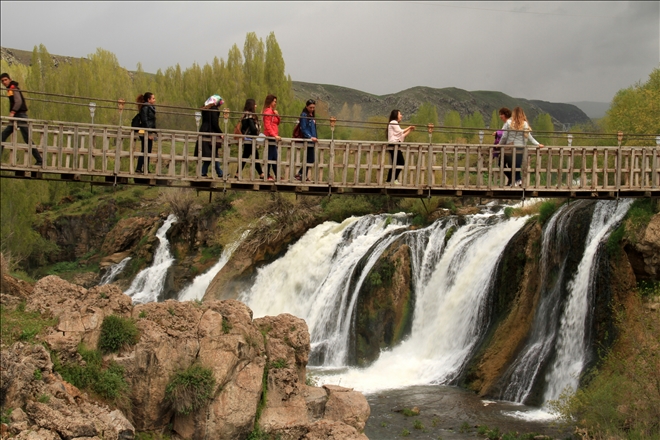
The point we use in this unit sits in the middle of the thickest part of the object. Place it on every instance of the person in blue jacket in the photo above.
(308, 130)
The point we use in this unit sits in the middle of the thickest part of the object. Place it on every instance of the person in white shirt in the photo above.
(396, 134)
(515, 131)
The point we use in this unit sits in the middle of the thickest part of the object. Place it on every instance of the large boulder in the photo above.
(126, 234)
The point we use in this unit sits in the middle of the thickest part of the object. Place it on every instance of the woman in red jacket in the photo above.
(271, 130)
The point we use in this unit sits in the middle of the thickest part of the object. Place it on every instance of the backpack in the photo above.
(297, 132)
(136, 121)
(237, 129)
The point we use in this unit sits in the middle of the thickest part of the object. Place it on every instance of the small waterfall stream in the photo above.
(148, 284)
(197, 289)
(114, 270)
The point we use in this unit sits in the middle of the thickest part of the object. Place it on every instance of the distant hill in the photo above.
(408, 101)
(595, 110)
(445, 100)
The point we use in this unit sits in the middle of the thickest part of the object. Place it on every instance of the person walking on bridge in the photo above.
(308, 130)
(210, 124)
(148, 115)
(516, 131)
(396, 135)
(271, 130)
(18, 109)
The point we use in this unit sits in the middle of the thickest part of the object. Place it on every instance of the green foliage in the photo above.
(226, 325)
(452, 125)
(647, 288)
(142, 314)
(108, 382)
(210, 253)
(465, 427)
(635, 110)
(613, 245)
(508, 212)
(408, 412)
(37, 374)
(417, 424)
(191, 389)
(5, 415)
(19, 325)
(117, 332)
(278, 364)
(405, 432)
(340, 208)
(546, 210)
(427, 113)
(473, 121)
(543, 129)
(622, 397)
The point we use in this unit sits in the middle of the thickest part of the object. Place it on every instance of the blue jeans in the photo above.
(272, 155)
(205, 168)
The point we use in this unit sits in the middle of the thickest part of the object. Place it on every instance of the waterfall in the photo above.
(313, 279)
(113, 271)
(558, 337)
(148, 284)
(197, 289)
(520, 376)
(571, 343)
(319, 278)
(453, 283)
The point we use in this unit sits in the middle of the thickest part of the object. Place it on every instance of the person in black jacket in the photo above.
(210, 115)
(250, 126)
(148, 115)
(17, 109)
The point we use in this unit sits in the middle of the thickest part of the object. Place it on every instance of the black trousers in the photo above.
(22, 127)
(399, 161)
(140, 162)
(247, 152)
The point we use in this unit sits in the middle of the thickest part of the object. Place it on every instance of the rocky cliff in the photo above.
(258, 369)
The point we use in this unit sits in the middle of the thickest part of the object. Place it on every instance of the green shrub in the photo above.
(508, 212)
(418, 424)
(117, 332)
(279, 363)
(613, 245)
(226, 325)
(37, 374)
(108, 383)
(191, 389)
(19, 325)
(43, 398)
(546, 210)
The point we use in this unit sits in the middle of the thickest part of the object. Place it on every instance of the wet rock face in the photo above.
(126, 234)
(385, 305)
(218, 335)
(644, 255)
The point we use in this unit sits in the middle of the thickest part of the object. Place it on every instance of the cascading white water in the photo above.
(571, 344)
(197, 289)
(114, 270)
(313, 279)
(522, 373)
(448, 311)
(148, 284)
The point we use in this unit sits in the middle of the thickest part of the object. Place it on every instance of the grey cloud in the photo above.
(554, 51)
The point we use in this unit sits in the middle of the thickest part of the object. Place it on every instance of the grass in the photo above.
(19, 325)
(622, 396)
(107, 381)
(117, 332)
(191, 389)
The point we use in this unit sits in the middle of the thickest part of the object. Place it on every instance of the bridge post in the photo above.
(429, 159)
(655, 164)
(619, 163)
(331, 165)
(225, 145)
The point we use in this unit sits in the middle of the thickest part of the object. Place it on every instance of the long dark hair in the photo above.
(141, 99)
(304, 110)
(394, 116)
(250, 105)
(269, 100)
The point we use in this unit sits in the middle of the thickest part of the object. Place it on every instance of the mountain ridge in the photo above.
(408, 101)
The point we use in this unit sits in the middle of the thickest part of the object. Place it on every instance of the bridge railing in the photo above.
(103, 150)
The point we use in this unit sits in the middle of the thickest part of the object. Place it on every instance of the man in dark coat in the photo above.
(17, 109)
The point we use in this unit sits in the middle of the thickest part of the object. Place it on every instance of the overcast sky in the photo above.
(552, 51)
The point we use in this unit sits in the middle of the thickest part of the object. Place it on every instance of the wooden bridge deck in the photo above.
(107, 155)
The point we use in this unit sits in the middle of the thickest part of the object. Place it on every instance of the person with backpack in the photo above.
(210, 124)
(308, 131)
(147, 113)
(250, 127)
(271, 130)
(18, 109)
